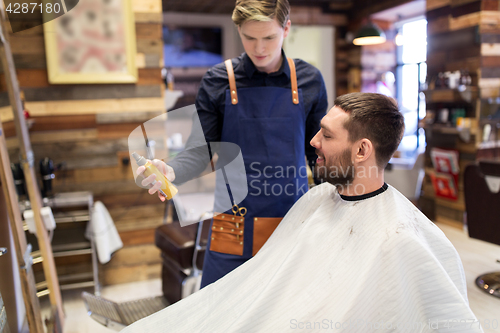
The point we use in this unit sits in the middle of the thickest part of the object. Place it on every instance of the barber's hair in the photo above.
(375, 117)
(261, 10)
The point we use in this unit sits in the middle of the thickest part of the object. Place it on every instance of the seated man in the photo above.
(352, 255)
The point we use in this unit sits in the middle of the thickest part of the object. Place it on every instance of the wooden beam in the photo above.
(81, 107)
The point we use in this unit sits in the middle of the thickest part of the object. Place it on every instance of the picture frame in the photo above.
(92, 43)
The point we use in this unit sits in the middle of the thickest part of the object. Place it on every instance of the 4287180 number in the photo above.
(24, 8)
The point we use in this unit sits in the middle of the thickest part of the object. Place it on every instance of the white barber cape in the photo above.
(371, 265)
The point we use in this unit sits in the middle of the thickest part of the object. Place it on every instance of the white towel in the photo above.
(102, 230)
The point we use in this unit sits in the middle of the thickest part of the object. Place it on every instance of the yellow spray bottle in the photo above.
(167, 189)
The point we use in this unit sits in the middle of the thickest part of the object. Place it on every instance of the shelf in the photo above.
(72, 213)
(451, 95)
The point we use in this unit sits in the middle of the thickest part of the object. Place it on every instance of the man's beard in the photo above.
(338, 173)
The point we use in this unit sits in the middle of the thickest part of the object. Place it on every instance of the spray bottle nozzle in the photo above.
(139, 159)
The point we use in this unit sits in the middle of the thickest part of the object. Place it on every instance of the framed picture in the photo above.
(92, 43)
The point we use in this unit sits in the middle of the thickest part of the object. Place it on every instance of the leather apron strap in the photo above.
(293, 79)
(232, 81)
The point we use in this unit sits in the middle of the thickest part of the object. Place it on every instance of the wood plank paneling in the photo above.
(490, 49)
(92, 92)
(87, 148)
(150, 76)
(118, 200)
(56, 136)
(55, 108)
(453, 40)
(127, 213)
(490, 72)
(133, 117)
(28, 78)
(33, 61)
(490, 5)
(38, 78)
(55, 123)
(490, 61)
(469, 64)
(149, 46)
(148, 31)
(148, 17)
(433, 4)
(441, 24)
(457, 3)
(91, 148)
(468, 8)
(114, 131)
(138, 237)
(129, 273)
(33, 44)
(99, 174)
(438, 12)
(147, 6)
(108, 188)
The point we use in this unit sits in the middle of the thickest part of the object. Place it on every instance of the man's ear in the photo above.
(287, 28)
(363, 150)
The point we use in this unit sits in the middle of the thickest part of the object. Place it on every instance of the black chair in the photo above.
(483, 214)
(182, 251)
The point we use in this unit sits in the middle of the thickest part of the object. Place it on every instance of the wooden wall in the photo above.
(85, 127)
(462, 35)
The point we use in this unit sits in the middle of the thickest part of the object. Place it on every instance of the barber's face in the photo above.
(334, 163)
(262, 42)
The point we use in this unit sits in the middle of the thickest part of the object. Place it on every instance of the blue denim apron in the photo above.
(270, 130)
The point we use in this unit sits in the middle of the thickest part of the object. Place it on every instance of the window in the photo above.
(411, 73)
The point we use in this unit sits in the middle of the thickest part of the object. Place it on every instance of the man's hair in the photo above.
(375, 117)
(261, 10)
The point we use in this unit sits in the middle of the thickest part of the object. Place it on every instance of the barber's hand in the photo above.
(165, 169)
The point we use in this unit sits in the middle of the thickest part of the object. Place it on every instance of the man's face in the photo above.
(262, 42)
(334, 150)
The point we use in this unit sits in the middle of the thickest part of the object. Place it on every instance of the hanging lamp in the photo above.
(369, 34)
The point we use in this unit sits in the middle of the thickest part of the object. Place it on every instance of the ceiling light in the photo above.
(369, 34)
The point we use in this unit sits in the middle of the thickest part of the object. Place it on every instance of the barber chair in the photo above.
(483, 213)
(407, 180)
(117, 316)
(183, 252)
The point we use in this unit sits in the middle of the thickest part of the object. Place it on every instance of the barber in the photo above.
(271, 107)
